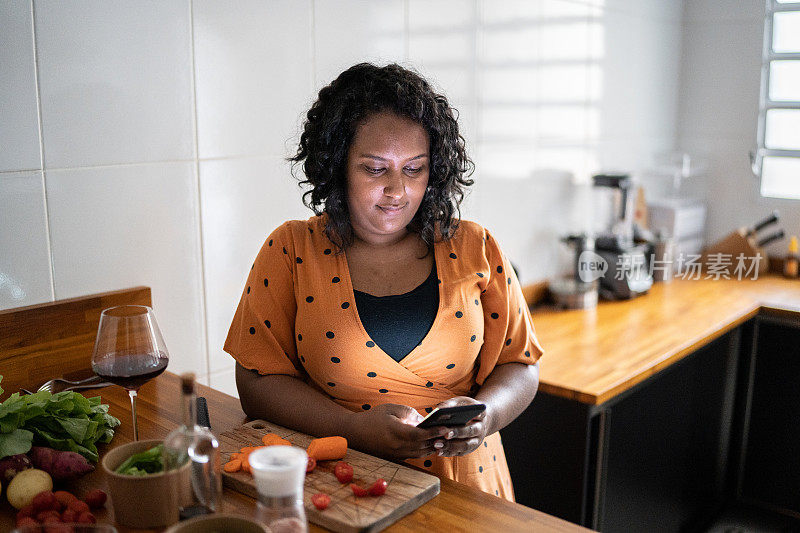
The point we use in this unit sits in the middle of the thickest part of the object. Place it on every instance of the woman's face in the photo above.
(387, 174)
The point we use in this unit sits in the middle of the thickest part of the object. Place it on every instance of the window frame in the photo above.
(765, 104)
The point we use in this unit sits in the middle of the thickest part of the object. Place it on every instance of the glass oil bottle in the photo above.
(195, 448)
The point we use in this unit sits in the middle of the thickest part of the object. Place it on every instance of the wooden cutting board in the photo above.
(407, 490)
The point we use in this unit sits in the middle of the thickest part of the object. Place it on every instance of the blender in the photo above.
(576, 288)
(627, 274)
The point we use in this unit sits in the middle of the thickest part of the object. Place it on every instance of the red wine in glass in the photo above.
(131, 371)
(129, 350)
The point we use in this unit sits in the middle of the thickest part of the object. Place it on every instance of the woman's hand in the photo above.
(463, 440)
(389, 430)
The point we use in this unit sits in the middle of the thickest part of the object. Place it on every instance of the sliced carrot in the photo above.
(233, 466)
(327, 448)
(235, 455)
(245, 463)
(269, 438)
(248, 449)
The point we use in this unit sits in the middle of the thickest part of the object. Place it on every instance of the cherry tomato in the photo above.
(95, 499)
(321, 501)
(360, 492)
(311, 465)
(378, 488)
(343, 472)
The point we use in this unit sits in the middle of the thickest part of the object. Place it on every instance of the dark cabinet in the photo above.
(771, 458)
(667, 447)
(653, 458)
(718, 429)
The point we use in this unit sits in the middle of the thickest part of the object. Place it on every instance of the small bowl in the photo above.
(229, 523)
(143, 502)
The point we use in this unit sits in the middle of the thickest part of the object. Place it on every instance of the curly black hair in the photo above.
(341, 107)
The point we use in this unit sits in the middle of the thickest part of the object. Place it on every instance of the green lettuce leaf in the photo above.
(64, 421)
(15, 442)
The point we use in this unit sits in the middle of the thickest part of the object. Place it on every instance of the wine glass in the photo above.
(129, 350)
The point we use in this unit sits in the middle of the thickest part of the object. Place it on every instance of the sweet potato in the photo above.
(327, 448)
(12, 465)
(62, 466)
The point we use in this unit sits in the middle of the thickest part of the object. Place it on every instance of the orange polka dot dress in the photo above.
(298, 317)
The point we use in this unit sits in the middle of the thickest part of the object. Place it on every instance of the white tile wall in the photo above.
(253, 75)
(347, 32)
(527, 217)
(19, 134)
(118, 227)
(543, 87)
(645, 9)
(437, 15)
(225, 380)
(720, 73)
(720, 11)
(639, 75)
(25, 276)
(243, 201)
(115, 81)
(493, 12)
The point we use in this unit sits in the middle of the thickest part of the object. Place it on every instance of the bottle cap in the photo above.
(793, 245)
(279, 470)
(187, 382)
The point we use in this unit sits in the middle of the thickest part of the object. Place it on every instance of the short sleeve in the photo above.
(509, 336)
(261, 336)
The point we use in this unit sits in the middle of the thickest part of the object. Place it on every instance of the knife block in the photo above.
(734, 244)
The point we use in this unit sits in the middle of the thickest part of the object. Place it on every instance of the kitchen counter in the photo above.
(593, 355)
(456, 508)
(661, 410)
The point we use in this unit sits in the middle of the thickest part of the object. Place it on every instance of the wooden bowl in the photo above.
(143, 502)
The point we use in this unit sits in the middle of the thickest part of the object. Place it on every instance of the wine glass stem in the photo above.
(132, 394)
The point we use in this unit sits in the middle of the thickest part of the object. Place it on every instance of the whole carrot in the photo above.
(327, 448)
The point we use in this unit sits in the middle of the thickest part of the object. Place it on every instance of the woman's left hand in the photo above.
(462, 440)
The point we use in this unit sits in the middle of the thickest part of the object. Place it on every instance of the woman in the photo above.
(382, 307)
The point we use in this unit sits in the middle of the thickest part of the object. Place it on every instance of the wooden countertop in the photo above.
(456, 508)
(593, 355)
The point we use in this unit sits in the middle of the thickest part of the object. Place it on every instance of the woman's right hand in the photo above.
(389, 430)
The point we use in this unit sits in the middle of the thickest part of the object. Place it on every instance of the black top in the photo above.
(398, 323)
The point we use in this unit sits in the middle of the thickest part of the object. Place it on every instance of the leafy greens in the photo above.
(140, 464)
(64, 421)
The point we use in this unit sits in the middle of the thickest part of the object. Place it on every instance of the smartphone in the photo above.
(455, 416)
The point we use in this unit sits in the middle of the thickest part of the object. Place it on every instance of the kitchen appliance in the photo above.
(682, 219)
(577, 286)
(663, 258)
(626, 273)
